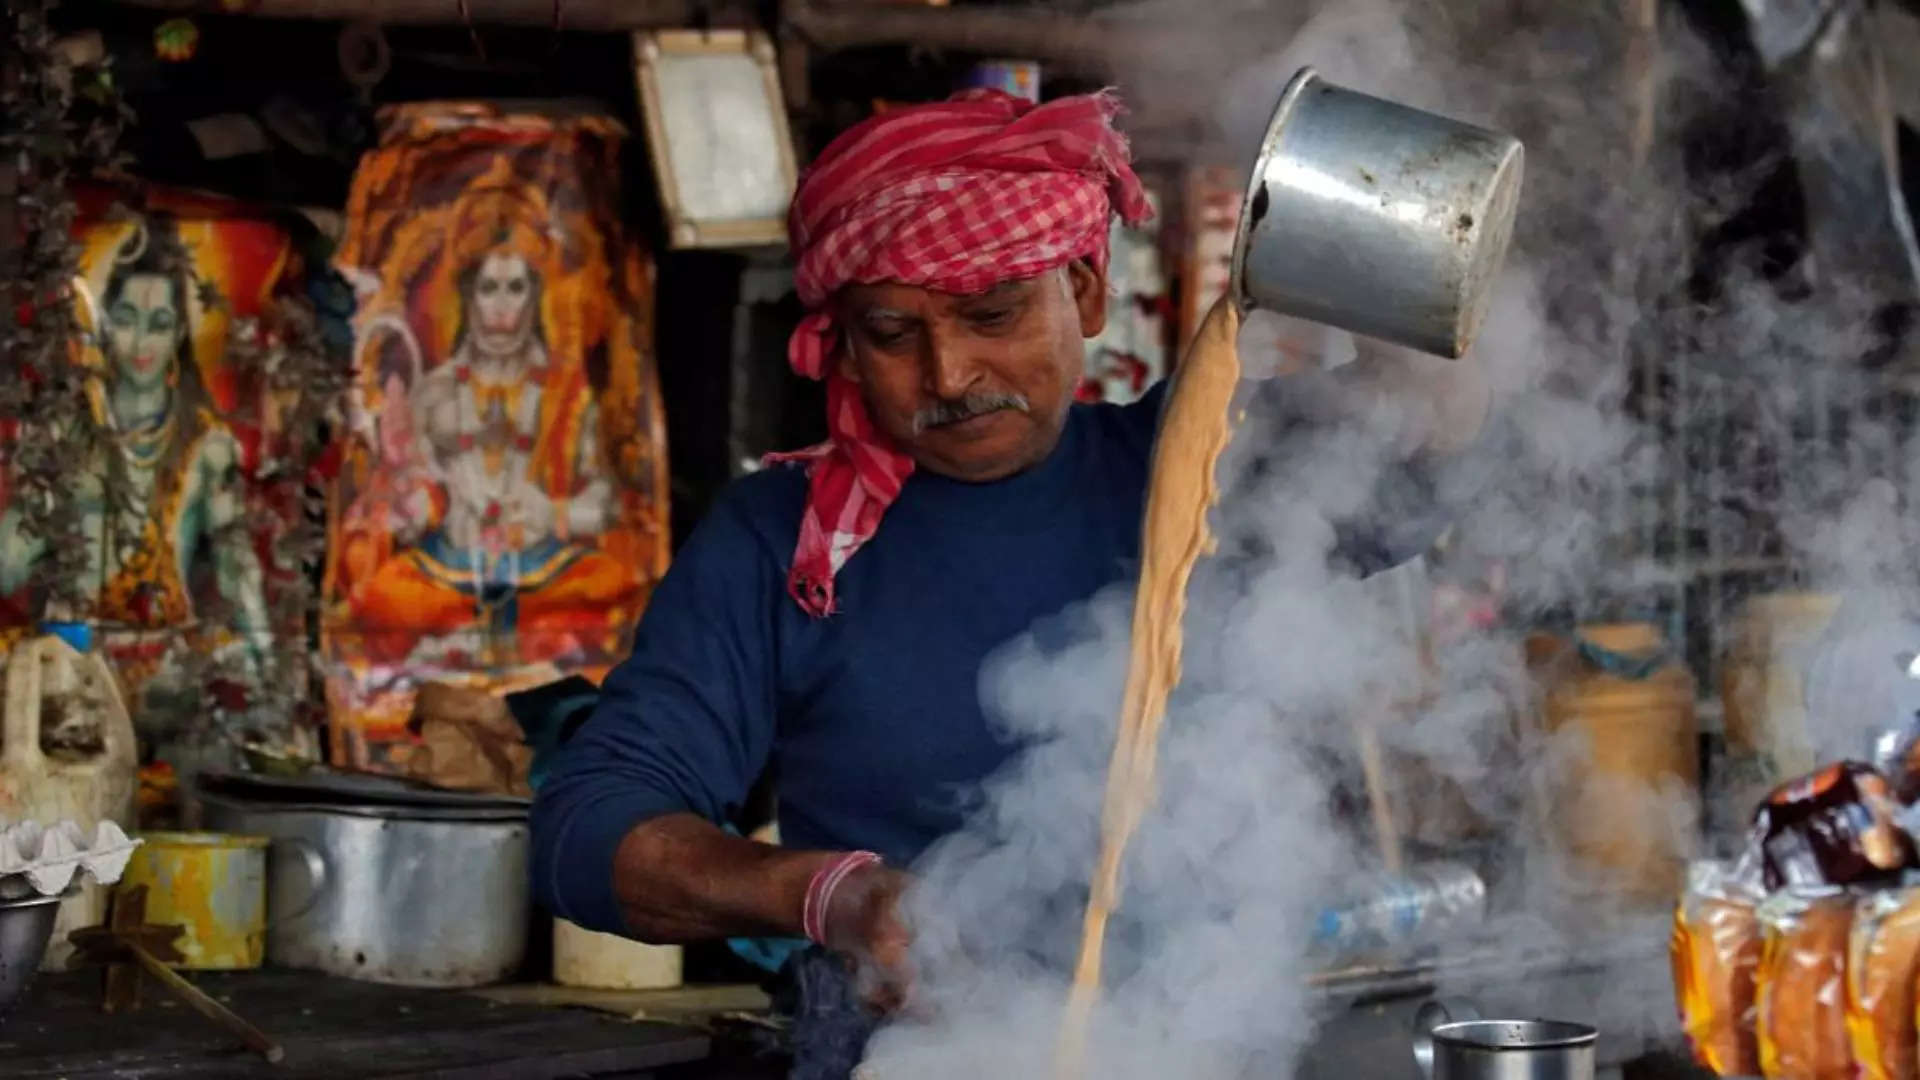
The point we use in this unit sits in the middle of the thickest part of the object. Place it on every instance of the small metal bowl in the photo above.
(26, 925)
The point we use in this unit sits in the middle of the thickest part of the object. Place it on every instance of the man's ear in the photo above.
(1089, 296)
(844, 363)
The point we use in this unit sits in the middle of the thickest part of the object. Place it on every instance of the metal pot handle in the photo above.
(1434, 1012)
(313, 867)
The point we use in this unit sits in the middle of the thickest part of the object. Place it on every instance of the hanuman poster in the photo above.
(501, 513)
(175, 304)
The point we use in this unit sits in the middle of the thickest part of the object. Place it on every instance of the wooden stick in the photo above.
(121, 984)
(1373, 765)
(253, 1037)
(1642, 75)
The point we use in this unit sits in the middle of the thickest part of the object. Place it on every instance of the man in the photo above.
(833, 621)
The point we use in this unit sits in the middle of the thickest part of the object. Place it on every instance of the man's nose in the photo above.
(951, 369)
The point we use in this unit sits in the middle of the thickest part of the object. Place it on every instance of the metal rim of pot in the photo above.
(398, 811)
(1558, 1035)
(1257, 186)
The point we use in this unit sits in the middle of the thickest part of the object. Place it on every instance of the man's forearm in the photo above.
(679, 878)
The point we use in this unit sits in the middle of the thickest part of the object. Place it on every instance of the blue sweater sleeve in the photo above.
(684, 725)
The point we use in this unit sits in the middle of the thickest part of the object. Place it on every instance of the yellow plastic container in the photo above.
(214, 885)
(1763, 679)
(582, 957)
(1626, 788)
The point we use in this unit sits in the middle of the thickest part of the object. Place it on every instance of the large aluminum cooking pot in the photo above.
(1376, 218)
(408, 895)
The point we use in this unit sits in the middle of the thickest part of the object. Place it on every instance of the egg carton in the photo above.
(45, 859)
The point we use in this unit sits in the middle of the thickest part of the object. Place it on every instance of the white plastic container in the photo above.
(608, 962)
(57, 788)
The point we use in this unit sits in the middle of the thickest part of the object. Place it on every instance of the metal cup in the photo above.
(1507, 1050)
(1376, 218)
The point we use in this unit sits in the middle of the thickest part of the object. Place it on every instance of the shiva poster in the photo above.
(501, 512)
(177, 544)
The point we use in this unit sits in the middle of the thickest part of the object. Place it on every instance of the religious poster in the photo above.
(1213, 197)
(176, 307)
(1130, 353)
(500, 516)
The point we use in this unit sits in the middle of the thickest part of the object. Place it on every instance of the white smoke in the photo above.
(1208, 955)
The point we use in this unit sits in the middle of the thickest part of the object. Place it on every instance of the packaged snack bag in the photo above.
(1836, 826)
(1883, 961)
(1801, 985)
(1715, 949)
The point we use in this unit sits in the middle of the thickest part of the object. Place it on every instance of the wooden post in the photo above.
(1642, 75)
(122, 992)
(1373, 767)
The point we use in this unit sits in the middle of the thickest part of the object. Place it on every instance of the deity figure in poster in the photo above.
(170, 514)
(500, 515)
(499, 486)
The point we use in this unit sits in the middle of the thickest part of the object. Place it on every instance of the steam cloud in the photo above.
(1208, 952)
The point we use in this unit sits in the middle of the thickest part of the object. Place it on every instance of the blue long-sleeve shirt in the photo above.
(872, 717)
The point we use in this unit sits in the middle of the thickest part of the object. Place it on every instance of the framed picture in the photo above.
(717, 132)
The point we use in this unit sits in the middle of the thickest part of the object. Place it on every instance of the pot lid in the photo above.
(331, 787)
(254, 807)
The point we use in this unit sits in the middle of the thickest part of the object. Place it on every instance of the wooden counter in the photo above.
(332, 1029)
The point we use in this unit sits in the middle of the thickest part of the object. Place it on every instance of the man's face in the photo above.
(501, 309)
(144, 329)
(973, 387)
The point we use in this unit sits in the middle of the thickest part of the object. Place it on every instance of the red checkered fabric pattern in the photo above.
(956, 196)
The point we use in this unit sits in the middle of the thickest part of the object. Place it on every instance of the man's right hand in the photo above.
(864, 923)
(680, 878)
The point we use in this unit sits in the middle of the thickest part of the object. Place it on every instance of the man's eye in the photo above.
(990, 317)
(886, 337)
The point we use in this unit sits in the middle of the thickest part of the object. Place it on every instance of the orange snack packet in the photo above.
(1715, 951)
(1801, 1022)
(1883, 961)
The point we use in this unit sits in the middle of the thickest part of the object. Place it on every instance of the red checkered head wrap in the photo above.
(956, 196)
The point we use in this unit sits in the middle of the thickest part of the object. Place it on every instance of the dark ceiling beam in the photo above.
(591, 15)
(1089, 45)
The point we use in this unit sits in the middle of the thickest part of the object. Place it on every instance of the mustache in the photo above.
(942, 413)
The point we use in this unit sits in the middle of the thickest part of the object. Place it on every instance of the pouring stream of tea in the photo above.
(1194, 429)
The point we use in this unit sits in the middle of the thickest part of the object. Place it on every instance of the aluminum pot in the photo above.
(407, 895)
(1376, 218)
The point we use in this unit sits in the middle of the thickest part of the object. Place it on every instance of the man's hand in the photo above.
(679, 878)
(864, 922)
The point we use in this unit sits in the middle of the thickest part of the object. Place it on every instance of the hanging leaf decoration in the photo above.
(60, 122)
